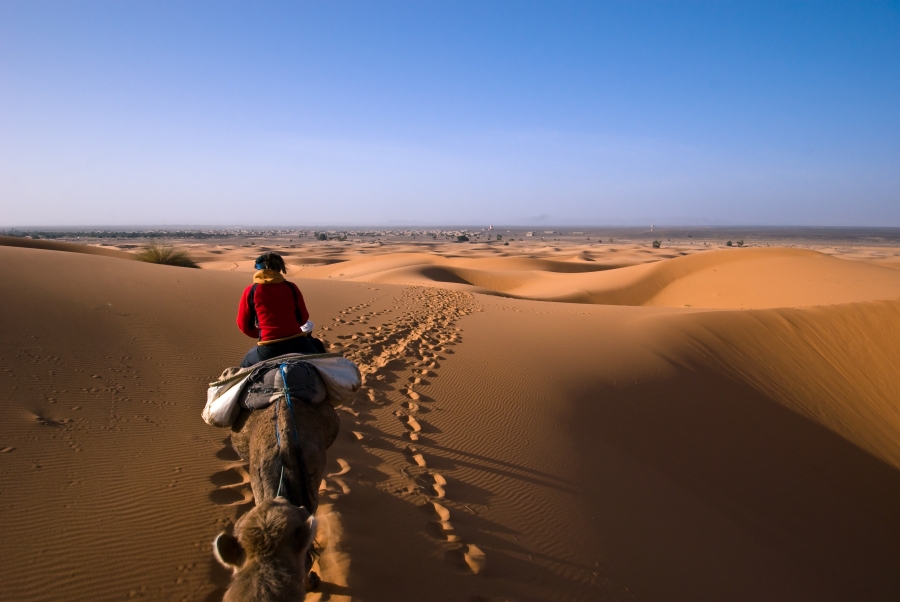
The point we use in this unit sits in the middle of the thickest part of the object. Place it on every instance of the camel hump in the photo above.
(295, 379)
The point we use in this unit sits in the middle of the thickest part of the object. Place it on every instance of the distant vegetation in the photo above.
(69, 234)
(166, 255)
(657, 243)
(462, 238)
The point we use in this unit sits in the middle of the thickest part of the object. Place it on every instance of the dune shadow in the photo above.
(439, 274)
(708, 490)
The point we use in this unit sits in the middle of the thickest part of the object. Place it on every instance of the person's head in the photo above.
(271, 261)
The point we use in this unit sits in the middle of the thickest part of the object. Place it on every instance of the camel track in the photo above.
(399, 345)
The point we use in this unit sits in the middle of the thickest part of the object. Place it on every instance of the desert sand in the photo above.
(538, 421)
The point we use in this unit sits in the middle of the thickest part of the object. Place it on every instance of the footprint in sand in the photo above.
(231, 477)
(475, 559)
(417, 457)
(232, 495)
(332, 493)
(415, 426)
(446, 528)
(439, 483)
(227, 453)
(345, 468)
(233, 483)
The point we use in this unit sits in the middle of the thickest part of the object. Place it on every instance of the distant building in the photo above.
(529, 234)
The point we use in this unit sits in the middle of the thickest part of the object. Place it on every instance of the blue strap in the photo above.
(287, 398)
(277, 434)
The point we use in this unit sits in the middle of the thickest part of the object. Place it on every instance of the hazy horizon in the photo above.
(403, 114)
(110, 228)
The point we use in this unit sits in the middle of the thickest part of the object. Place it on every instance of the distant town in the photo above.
(130, 238)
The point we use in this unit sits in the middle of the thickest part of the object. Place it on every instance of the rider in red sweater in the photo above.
(272, 310)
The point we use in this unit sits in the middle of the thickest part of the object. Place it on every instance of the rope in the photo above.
(280, 481)
(278, 451)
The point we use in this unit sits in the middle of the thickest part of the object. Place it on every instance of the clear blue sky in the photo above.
(601, 113)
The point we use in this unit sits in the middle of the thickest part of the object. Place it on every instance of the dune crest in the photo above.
(53, 245)
(730, 279)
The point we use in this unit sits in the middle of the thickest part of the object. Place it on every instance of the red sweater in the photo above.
(275, 311)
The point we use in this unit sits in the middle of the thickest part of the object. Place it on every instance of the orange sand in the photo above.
(716, 425)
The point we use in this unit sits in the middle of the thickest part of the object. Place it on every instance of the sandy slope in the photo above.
(502, 449)
(736, 278)
(748, 278)
(53, 245)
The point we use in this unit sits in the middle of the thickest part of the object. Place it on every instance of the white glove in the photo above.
(308, 327)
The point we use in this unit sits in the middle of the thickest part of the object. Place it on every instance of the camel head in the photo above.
(268, 553)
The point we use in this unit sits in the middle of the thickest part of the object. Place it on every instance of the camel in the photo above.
(284, 444)
(268, 550)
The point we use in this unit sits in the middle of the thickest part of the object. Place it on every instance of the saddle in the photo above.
(295, 378)
(311, 378)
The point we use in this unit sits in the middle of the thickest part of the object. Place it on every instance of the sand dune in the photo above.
(623, 447)
(737, 278)
(53, 245)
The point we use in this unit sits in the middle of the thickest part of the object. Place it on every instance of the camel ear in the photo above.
(228, 551)
(306, 534)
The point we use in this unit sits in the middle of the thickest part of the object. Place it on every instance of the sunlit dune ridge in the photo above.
(735, 278)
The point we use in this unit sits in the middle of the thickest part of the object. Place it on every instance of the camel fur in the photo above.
(267, 552)
(292, 464)
(301, 452)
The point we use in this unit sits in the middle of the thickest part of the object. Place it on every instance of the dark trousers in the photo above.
(261, 353)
